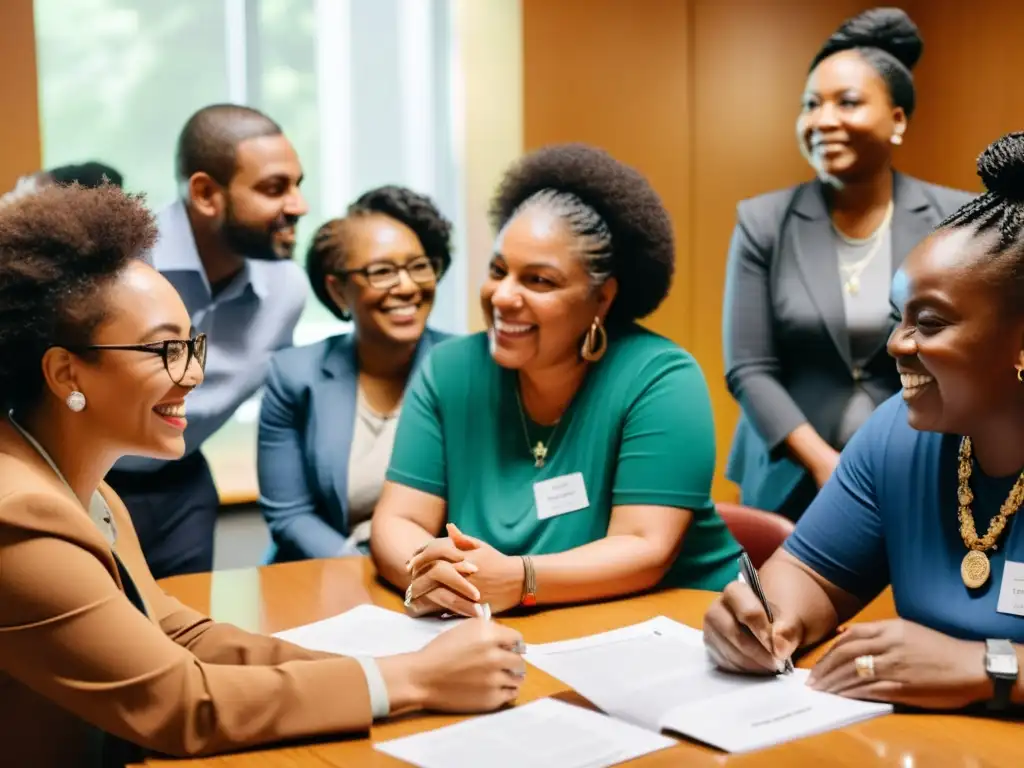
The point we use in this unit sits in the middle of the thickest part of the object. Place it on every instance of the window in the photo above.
(363, 89)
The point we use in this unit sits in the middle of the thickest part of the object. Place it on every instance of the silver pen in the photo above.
(749, 576)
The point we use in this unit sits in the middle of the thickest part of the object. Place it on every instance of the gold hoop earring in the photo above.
(1020, 375)
(593, 349)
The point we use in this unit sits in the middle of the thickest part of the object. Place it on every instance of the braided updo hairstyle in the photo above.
(886, 39)
(330, 247)
(1000, 210)
(621, 228)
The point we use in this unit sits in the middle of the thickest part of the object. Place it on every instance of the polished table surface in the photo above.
(277, 597)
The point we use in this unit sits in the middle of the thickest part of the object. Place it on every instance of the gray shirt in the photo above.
(867, 315)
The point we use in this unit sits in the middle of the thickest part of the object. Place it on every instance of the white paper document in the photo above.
(657, 675)
(368, 630)
(543, 734)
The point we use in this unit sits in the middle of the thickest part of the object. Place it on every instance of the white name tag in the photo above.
(1011, 593)
(560, 495)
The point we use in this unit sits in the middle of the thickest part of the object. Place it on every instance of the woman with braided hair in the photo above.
(569, 451)
(927, 493)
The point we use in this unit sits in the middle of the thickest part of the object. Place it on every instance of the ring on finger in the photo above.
(865, 666)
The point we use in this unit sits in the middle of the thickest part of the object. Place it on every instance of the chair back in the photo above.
(760, 533)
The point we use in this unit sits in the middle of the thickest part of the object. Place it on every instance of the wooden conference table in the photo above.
(277, 597)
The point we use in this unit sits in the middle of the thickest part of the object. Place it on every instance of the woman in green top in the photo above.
(569, 451)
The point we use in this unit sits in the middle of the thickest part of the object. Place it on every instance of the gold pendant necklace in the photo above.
(540, 450)
(975, 568)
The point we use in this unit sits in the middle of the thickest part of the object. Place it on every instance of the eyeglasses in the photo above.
(385, 275)
(177, 354)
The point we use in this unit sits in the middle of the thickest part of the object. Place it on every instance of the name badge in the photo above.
(1011, 593)
(560, 495)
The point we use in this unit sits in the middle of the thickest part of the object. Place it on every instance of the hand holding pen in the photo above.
(743, 633)
(749, 576)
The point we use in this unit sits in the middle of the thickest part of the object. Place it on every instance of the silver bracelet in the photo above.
(380, 704)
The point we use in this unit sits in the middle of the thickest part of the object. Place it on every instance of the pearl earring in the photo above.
(897, 139)
(76, 401)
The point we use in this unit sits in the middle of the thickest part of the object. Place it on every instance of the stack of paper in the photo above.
(368, 630)
(543, 734)
(657, 675)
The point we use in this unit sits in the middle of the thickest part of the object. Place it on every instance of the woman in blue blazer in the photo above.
(329, 410)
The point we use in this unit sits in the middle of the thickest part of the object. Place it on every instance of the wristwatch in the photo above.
(1001, 667)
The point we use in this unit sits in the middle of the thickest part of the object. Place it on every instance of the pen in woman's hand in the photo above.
(749, 577)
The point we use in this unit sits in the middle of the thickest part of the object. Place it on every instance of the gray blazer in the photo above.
(306, 420)
(787, 352)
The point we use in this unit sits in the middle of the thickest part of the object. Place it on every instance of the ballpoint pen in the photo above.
(749, 576)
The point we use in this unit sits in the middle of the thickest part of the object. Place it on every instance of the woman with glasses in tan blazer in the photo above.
(97, 664)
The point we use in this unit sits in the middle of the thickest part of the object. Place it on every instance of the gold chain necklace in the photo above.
(540, 450)
(975, 568)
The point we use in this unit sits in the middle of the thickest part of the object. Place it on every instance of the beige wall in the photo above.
(488, 35)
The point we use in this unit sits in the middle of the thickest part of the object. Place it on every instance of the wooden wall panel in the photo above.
(19, 129)
(970, 90)
(615, 74)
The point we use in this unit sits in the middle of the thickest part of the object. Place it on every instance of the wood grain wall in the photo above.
(19, 126)
(702, 96)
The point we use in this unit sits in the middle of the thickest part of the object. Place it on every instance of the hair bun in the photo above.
(889, 29)
(1001, 166)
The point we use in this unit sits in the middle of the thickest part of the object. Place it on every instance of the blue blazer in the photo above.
(307, 416)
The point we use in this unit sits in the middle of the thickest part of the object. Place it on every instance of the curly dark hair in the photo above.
(1000, 210)
(59, 248)
(329, 250)
(889, 41)
(630, 237)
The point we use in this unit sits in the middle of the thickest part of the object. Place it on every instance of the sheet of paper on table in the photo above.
(368, 630)
(657, 675)
(542, 734)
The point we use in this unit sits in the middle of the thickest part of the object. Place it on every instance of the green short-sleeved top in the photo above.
(640, 430)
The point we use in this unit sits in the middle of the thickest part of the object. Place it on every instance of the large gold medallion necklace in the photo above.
(975, 568)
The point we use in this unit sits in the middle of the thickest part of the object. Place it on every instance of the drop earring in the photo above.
(897, 139)
(76, 402)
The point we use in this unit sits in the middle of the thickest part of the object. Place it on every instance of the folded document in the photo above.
(657, 675)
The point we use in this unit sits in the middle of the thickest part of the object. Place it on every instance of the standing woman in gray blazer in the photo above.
(807, 309)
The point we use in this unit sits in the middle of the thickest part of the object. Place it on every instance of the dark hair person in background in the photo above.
(809, 271)
(89, 174)
(927, 492)
(378, 266)
(226, 246)
(95, 660)
(575, 448)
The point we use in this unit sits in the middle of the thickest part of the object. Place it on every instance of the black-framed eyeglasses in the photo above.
(385, 275)
(177, 354)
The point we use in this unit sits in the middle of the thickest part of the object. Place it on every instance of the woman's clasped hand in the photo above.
(455, 573)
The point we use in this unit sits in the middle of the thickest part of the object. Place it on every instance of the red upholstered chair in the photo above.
(757, 531)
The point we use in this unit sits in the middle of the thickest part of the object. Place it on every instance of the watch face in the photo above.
(1002, 665)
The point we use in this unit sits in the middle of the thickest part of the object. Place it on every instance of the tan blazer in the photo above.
(78, 659)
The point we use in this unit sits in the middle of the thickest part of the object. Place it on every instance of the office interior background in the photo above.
(440, 95)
